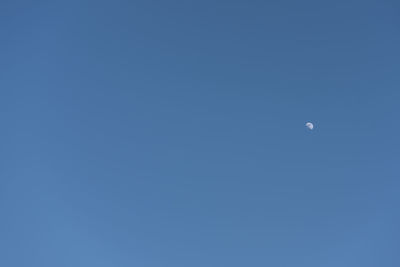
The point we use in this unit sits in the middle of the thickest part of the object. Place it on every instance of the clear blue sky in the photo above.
(171, 133)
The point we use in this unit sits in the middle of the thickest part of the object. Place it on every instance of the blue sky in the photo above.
(171, 133)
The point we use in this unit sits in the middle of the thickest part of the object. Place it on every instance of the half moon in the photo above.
(309, 125)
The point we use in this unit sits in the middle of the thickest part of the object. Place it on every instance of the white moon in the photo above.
(309, 125)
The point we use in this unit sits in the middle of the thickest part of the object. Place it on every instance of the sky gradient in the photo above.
(172, 133)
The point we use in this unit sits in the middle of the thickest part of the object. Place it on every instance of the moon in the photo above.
(309, 125)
